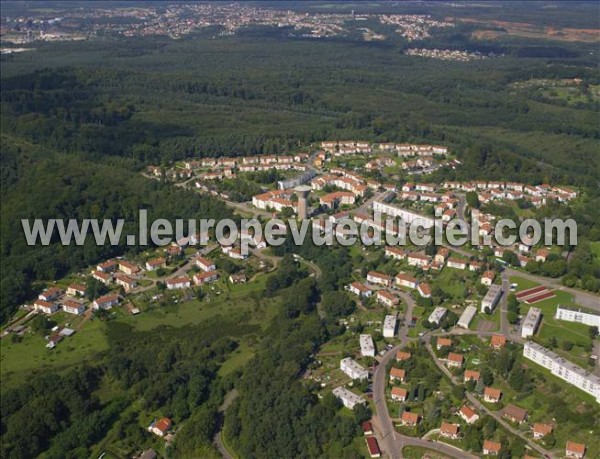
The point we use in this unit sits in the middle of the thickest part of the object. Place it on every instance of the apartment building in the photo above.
(564, 369)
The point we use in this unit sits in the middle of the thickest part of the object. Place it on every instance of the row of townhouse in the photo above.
(514, 190)
(276, 200)
(345, 183)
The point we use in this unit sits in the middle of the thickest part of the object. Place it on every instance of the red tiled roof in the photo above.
(573, 447)
(491, 446)
(401, 355)
(397, 373)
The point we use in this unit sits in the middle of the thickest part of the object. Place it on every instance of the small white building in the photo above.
(437, 315)
(178, 283)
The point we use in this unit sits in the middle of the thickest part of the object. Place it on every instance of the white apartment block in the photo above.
(437, 315)
(405, 215)
(349, 399)
(577, 315)
(491, 298)
(564, 369)
(467, 316)
(531, 322)
(353, 369)
(367, 347)
(389, 326)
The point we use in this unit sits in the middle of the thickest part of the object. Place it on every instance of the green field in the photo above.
(18, 360)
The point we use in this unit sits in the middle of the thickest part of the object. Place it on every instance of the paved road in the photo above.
(217, 440)
(393, 442)
(504, 325)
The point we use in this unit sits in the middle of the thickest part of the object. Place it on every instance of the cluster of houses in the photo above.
(121, 272)
(538, 195)
(224, 167)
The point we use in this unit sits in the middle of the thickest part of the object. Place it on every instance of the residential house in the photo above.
(449, 430)
(76, 290)
(540, 430)
(575, 450)
(205, 277)
(126, 282)
(160, 427)
(395, 252)
(107, 267)
(50, 294)
(102, 277)
(399, 394)
(127, 267)
(45, 306)
(468, 414)
(456, 263)
(397, 374)
(443, 342)
(471, 375)
(156, 263)
(542, 254)
(367, 428)
(402, 356)
(491, 448)
(387, 298)
(515, 414)
(375, 277)
(359, 289)
(404, 280)
(498, 341)
(492, 395)
(238, 278)
(73, 307)
(455, 360)
(410, 419)
(106, 301)
(424, 290)
(178, 283)
(205, 264)
(488, 278)
(417, 259)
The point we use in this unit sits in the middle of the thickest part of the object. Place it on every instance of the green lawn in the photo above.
(416, 452)
(18, 360)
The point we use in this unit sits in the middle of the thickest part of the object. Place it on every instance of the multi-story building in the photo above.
(564, 369)
(349, 399)
(491, 298)
(389, 326)
(571, 314)
(353, 369)
(367, 347)
(531, 322)
(467, 316)
(407, 216)
(437, 315)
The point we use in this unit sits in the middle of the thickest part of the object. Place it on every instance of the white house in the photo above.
(178, 283)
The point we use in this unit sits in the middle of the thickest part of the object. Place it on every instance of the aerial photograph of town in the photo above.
(299, 229)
